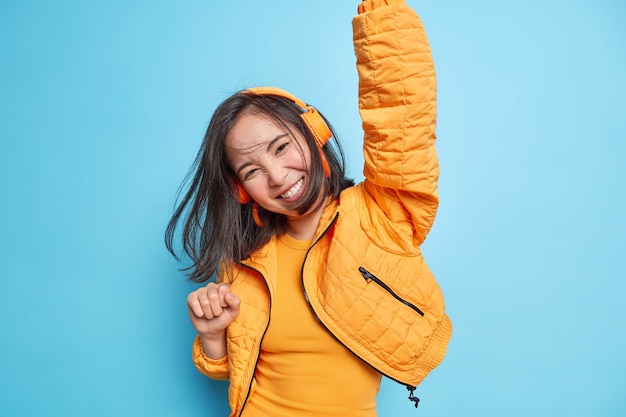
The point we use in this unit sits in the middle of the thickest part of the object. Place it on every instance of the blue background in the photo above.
(104, 104)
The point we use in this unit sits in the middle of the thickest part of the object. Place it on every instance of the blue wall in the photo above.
(103, 106)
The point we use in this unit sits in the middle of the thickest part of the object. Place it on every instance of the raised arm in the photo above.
(397, 102)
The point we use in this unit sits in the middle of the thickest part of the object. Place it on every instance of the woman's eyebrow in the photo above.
(276, 139)
(269, 147)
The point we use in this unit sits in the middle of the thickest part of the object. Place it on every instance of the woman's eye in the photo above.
(281, 147)
(249, 174)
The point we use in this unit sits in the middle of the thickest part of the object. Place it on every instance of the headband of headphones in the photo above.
(311, 117)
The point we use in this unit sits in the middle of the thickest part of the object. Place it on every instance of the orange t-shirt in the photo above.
(303, 370)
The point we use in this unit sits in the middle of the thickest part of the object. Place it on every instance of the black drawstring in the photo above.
(413, 397)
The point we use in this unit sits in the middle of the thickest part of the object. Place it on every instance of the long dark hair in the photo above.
(216, 228)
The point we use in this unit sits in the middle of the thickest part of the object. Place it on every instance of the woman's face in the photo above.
(271, 161)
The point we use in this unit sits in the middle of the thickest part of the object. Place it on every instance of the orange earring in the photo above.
(255, 214)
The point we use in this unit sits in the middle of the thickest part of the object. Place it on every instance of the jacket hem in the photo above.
(436, 348)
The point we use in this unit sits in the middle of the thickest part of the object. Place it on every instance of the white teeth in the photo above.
(293, 189)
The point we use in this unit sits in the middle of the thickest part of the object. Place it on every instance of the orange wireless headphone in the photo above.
(312, 119)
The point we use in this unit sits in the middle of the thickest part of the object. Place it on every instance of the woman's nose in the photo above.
(275, 176)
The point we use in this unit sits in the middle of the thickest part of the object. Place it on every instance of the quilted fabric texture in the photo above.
(364, 277)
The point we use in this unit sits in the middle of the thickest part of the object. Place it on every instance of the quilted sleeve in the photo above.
(213, 368)
(397, 103)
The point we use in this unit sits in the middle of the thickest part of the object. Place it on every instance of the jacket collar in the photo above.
(264, 259)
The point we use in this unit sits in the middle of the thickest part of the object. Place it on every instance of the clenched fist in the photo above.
(211, 309)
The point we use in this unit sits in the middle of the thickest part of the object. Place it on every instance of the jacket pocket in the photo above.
(369, 277)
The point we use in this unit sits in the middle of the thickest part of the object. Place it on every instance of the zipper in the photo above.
(306, 295)
(258, 354)
(369, 277)
(409, 387)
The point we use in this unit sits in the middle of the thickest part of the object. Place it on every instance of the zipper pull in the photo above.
(413, 397)
(366, 274)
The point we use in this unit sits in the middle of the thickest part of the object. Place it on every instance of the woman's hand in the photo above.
(211, 309)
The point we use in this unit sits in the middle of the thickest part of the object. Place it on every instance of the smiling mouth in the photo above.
(293, 190)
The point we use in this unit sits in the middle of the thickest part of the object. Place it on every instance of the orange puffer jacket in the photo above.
(364, 276)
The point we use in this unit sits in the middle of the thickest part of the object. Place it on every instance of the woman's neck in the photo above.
(304, 227)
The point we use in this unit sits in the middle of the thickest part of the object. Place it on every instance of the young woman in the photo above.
(321, 286)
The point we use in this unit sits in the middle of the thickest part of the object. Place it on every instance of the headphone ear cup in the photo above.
(242, 195)
(317, 126)
(320, 131)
